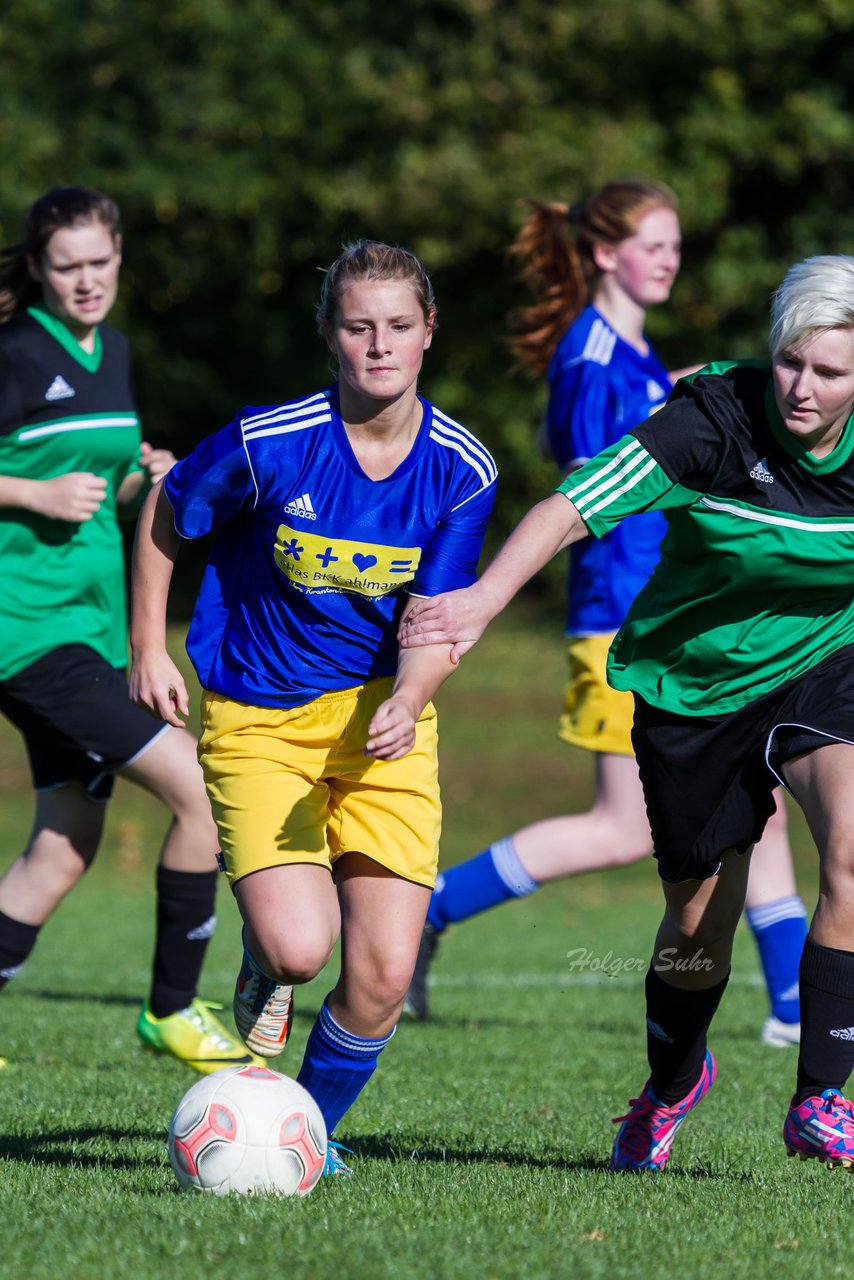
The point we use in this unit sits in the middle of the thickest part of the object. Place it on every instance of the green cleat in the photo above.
(193, 1035)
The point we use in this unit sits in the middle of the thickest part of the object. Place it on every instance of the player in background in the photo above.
(71, 458)
(739, 654)
(333, 513)
(621, 250)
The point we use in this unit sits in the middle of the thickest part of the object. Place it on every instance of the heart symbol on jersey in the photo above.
(363, 562)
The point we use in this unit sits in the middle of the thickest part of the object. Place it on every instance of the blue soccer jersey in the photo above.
(313, 559)
(599, 388)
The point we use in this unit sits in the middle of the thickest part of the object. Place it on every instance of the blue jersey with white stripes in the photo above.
(600, 387)
(313, 560)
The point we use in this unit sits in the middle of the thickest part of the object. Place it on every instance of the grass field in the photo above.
(481, 1145)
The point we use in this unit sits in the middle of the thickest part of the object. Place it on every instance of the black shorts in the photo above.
(708, 780)
(77, 719)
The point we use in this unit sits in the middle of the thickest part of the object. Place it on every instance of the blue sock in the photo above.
(337, 1065)
(780, 930)
(484, 881)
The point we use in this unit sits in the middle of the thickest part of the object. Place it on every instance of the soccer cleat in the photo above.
(335, 1162)
(780, 1034)
(822, 1128)
(415, 1003)
(263, 1009)
(647, 1131)
(195, 1036)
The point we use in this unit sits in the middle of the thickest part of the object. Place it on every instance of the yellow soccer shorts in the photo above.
(294, 785)
(597, 717)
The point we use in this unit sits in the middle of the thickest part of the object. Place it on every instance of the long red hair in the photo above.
(554, 248)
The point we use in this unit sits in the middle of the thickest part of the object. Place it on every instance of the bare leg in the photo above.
(612, 833)
(64, 840)
(292, 920)
(168, 768)
(382, 918)
(772, 875)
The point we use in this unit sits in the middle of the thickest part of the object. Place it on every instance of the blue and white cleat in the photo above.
(647, 1131)
(334, 1161)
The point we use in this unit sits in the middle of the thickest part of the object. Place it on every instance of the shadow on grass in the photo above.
(99, 997)
(412, 1148)
(60, 1149)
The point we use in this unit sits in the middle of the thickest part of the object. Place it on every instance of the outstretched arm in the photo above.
(459, 618)
(420, 672)
(155, 682)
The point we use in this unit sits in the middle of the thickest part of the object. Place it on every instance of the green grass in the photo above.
(482, 1142)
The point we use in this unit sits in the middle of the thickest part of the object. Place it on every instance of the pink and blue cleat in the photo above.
(648, 1129)
(335, 1161)
(822, 1128)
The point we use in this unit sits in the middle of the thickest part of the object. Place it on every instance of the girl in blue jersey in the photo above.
(594, 270)
(318, 736)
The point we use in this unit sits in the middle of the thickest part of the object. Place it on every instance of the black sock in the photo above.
(185, 925)
(677, 1022)
(826, 1054)
(16, 942)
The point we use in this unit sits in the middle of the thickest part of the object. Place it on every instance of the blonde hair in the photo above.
(372, 260)
(816, 294)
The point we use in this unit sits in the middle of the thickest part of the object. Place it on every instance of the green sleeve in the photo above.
(621, 481)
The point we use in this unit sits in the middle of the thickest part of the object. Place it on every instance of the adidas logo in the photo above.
(761, 472)
(844, 1033)
(301, 507)
(658, 1031)
(202, 932)
(59, 389)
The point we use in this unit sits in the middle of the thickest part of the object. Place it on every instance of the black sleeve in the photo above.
(690, 436)
(11, 403)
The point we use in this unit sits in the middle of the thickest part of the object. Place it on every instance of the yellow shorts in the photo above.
(294, 785)
(597, 717)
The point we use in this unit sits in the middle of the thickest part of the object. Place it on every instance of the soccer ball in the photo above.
(248, 1130)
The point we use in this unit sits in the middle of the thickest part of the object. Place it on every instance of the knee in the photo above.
(389, 985)
(708, 928)
(621, 837)
(62, 858)
(295, 960)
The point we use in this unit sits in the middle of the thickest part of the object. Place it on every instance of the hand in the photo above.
(157, 686)
(155, 462)
(391, 733)
(74, 497)
(458, 618)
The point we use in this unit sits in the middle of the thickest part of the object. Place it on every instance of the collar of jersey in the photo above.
(346, 448)
(838, 455)
(90, 360)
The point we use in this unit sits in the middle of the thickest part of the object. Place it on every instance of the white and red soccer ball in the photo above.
(248, 1130)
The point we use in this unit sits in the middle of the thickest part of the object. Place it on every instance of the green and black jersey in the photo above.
(755, 584)
(62, 410)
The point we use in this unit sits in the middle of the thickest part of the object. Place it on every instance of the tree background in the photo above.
(245, 141)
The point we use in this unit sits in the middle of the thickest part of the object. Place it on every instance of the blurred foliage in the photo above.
(246, 141)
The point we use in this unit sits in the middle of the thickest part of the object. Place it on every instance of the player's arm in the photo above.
(153, 466)
(74, 497)
(459, 618)
(420, 672)
(155, 682)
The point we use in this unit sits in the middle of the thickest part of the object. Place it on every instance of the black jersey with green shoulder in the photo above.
(63, 409)
(755, 584)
